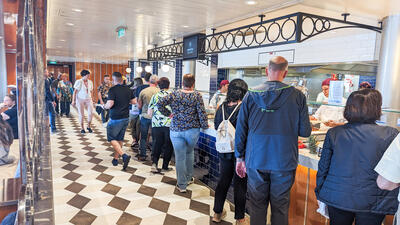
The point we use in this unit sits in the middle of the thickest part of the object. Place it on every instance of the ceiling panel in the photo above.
(93, 37)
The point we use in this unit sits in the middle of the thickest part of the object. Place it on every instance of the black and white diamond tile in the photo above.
(89, 190)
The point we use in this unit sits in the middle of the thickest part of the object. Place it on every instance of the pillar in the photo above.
(3, 63)
(388, 78)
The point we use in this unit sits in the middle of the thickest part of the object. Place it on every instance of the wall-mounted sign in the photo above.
(264, 57)
(52, 62)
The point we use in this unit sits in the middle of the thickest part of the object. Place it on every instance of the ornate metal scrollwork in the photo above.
(293, 28)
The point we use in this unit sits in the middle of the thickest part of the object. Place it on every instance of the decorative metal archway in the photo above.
(293, 28)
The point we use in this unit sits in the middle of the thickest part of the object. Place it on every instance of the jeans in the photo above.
(269, 187)
(342, 217)
(227, 162)
(135, 126)
(105, 115)
(65, 108)
(145, 125)
(162, 141)
(184, 142)
(116, 129)
(52, 115)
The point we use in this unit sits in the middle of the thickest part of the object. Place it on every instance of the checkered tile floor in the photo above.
(89, 190)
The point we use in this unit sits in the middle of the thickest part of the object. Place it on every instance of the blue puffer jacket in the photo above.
(346, 178)
(271, 119)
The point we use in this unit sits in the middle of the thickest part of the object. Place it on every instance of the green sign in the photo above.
(52, 62)
(121, 32)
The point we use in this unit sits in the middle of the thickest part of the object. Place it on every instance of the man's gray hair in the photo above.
(153, 79)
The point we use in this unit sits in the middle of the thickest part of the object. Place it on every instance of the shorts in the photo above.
(116, 129)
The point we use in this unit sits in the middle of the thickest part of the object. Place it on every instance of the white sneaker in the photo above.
(154, 168)
(191, 181)
(105, 125)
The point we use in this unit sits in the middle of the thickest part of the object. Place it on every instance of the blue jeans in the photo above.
(52, 115)
(145, 125)
(116, 129)
(184, 142)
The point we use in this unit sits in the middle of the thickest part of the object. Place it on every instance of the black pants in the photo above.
(269, 187)
(342, 217)
(57, 108)
(227, 164)
(161, 141)
(65, 108)
(135, 127)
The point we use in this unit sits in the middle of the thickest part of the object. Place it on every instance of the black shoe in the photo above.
(142, 158)
(83, 131)
(90, 130)
(125, 158)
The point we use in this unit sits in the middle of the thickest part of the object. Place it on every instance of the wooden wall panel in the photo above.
(11, 61)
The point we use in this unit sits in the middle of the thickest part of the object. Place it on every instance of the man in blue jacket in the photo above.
(272, 117)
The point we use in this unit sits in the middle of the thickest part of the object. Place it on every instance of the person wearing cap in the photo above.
(365, 85)
(220, 96)
(330, 116)
(323, 96)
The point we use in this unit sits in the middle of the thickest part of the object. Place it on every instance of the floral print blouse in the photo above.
(65, 91)
(187, 110)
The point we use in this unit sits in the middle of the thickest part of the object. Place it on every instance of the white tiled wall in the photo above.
(170, 75)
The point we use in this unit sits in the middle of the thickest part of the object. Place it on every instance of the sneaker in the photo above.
(218, 217)
(154, 168)
(115, 162)
(53, 131)
(135, 145)
(243, 221)
(181, 190)
(90, 130)
(125, 158)
(83, 131)
(191, 181)
(105, 125)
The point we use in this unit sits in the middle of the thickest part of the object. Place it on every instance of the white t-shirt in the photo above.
(83, 92)
(221, 98)
(327, 112)
(389, 165)
(322, 98)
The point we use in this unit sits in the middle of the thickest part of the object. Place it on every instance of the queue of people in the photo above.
(358, 178)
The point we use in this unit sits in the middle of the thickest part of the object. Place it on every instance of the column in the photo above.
(3, 63)
(388, 77)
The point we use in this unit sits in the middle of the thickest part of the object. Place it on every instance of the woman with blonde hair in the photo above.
(82, 98)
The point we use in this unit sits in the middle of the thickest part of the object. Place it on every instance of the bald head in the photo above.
(277, 69)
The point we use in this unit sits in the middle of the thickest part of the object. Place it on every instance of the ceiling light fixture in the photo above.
(139, 69)
(251, 2)
(70, 24)
(185, 26)
(9, 45)
(165, 68)
(148, 69)
(128, 70)
(62, 40)
(77, 10)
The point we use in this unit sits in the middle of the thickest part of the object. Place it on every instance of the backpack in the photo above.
(225, 140)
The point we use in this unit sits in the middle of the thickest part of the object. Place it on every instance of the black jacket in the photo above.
(271, 119)
(346, 178)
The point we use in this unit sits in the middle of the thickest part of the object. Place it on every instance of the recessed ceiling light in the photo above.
(77, 10)
(9, 45)
(70, 24)
(251, 2)
(62, 40)
(185, 26)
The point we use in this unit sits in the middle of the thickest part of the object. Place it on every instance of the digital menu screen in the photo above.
(191, 46)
